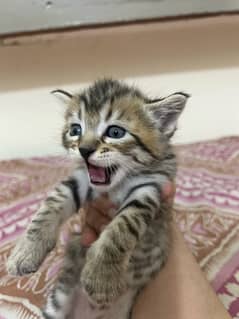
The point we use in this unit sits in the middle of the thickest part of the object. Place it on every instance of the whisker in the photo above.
(126, 165)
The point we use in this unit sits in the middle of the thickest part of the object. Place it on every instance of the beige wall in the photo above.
(198, 56)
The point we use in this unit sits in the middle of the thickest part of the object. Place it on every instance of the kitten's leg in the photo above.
(104, 275)
(40, 236)
(59, 302)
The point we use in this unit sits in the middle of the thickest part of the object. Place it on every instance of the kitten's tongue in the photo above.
(97, 174)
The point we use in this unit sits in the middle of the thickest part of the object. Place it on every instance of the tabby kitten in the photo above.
(122, 138)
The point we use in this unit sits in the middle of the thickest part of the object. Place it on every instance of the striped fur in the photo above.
(135, 245)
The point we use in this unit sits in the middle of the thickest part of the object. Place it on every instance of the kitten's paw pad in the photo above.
(25, 258)
(103, 283)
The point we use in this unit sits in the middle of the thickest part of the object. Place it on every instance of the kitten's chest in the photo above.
(115, 198)
(123, 192)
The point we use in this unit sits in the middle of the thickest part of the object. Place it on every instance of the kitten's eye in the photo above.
(75, 130)
(115, 132)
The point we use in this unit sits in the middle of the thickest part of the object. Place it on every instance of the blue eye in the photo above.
(75, 130)
(115, 132)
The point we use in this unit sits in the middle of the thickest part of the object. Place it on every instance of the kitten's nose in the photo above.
(86, 152)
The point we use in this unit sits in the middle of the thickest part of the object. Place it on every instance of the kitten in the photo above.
(122, 138)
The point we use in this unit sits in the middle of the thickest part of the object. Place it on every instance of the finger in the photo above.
(96, 220)
(104, 205)
(168, 190)
(88, 236)
(82, 217)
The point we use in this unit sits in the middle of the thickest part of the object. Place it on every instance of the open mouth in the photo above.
(101, 175)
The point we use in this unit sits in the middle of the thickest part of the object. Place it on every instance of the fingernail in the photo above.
(85, 242)
(111, 212)
(102, 227)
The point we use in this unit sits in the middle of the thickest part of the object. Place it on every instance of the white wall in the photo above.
(198, 56)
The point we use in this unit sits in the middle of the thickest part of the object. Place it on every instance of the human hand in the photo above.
(97, 214)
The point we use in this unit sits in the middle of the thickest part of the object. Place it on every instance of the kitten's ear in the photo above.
(165, 112)
(63, 95)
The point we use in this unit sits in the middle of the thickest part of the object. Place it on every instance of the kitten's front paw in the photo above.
(102, 281)
(26, 257)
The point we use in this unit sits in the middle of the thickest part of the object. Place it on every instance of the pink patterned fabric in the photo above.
(206, 210)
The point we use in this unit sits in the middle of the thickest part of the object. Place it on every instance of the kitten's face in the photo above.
(114, 132)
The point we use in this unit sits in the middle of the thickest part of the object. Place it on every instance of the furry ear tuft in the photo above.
(165, 112)
(63, 95)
